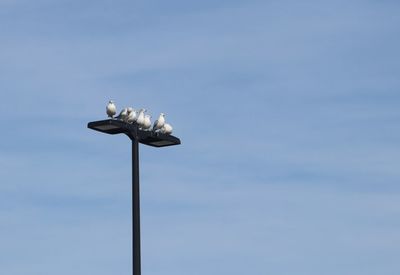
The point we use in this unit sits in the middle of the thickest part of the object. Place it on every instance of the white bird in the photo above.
(159, 123)
(132, 115)
(123, 114)
(166, 129)
(111, 109)
(140, 118)
(147, 122)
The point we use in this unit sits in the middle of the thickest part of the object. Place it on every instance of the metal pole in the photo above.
(135, 209)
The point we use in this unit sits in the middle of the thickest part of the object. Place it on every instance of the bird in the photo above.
(111, 109)
(123, 114)
(147, 122)
(132, 115)
(140, 118)
(159, 123)
(166, 129)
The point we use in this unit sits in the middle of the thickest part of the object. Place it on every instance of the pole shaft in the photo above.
(135, 209)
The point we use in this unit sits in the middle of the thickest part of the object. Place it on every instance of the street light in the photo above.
(155, 139)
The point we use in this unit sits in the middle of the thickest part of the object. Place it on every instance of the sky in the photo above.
(288, 112)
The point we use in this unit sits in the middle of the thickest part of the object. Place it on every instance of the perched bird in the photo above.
(147, 122)
(111, 109)
(140, 118)
(159, 123)
(166, 129)
(123, 114)
(132, 115)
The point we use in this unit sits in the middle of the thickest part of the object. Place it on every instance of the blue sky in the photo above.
(288, 112)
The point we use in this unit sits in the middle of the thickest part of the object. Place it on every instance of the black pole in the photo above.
(135, 209)
(116, 126)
